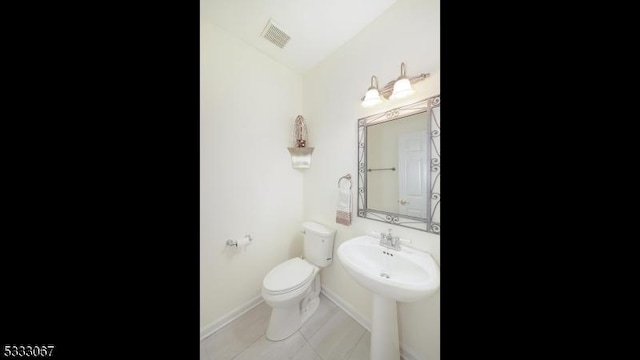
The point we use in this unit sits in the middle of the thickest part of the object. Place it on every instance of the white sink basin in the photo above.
(404, 275)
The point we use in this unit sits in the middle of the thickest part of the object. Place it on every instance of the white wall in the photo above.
(248, 104)
(408, 32)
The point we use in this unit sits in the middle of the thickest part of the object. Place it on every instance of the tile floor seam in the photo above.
(304, 337)
(338, 312)
(356, 345)
(318, 330)
(248, 346)
(308, 344)
(309, 340)
(333, 312)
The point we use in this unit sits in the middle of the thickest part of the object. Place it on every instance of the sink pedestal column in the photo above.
(385, 344)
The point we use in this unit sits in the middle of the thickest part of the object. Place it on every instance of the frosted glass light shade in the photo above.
(402, 88)
(371, 98)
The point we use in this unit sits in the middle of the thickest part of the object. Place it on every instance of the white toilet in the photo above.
(292, 288)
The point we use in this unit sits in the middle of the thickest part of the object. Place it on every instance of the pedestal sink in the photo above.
(404, 275)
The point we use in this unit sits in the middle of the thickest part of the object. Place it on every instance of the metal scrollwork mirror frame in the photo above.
(433, 199)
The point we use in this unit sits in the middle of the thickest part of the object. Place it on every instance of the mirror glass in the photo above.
(399, 166)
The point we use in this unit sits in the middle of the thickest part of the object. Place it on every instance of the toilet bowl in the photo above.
(292, 288)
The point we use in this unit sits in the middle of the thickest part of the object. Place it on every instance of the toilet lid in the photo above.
(287, 276)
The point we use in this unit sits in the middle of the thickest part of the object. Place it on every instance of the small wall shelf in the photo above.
(300, 157)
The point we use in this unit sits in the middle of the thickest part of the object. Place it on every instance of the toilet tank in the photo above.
(318, 243)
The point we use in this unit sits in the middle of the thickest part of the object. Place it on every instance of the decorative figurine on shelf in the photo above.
(301, 132)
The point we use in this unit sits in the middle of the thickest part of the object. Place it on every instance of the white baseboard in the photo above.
(405, 352)
(234, 314)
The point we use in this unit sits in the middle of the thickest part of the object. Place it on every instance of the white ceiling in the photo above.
(317, 27)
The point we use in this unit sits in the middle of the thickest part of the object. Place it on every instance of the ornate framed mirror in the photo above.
(399, 166)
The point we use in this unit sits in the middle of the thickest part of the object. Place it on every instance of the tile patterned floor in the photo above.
(330, 334)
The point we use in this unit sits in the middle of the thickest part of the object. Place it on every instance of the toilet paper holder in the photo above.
(231, 242)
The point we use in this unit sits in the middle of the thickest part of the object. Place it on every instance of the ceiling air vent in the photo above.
(275, 35)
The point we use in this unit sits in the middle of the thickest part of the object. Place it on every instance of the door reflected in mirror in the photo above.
(399, 166)
(396, 166)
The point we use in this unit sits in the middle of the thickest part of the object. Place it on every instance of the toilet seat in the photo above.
(288, 276)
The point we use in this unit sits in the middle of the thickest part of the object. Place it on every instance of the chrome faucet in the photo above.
(390, 242)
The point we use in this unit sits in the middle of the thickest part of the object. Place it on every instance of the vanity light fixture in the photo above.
(402, 86)
(396, 89)
(372, 97)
